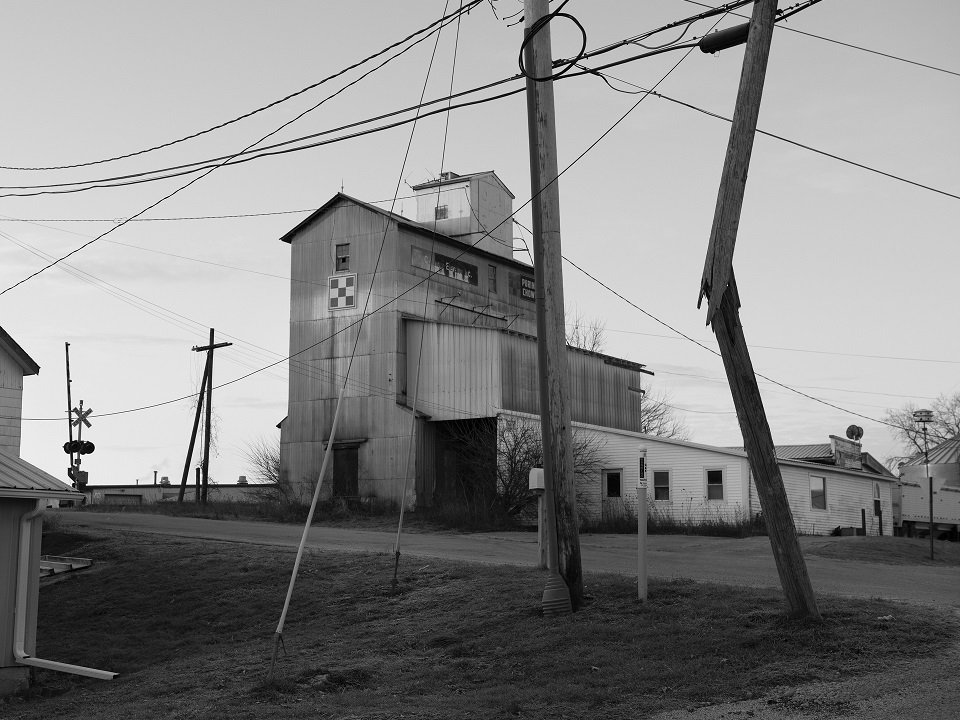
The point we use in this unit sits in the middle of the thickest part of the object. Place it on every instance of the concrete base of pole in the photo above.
(556, 597)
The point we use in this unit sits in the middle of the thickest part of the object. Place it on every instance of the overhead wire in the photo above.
(646, 93)
(251, 113)
(169, 195)
(285, 147)
(849, 45)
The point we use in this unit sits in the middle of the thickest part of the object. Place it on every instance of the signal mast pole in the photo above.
(72, 469)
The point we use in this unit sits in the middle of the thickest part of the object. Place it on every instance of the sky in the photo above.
(846, 276)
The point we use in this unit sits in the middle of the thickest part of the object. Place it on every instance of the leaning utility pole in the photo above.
(720, 288)
(559, 490)
(193, 434)
(206, 430)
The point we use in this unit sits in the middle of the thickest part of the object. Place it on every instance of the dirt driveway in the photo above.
(747, 562)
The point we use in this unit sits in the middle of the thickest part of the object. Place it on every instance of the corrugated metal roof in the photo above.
(799, 452)
(18, 478)
(945, 453)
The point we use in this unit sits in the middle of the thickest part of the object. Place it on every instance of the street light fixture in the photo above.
(923, 417)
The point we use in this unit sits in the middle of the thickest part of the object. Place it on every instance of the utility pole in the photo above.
(720, 288)
(559, 490)
(193, 433)
(206, 430)
(73, 468)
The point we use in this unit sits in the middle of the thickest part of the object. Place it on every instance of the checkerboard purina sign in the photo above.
(343, 291)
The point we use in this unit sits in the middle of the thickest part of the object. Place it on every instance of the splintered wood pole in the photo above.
(719, 286)
(559, 490)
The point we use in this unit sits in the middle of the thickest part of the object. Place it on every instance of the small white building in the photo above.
(829, 486)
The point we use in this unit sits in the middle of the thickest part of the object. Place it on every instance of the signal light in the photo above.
(83, 447)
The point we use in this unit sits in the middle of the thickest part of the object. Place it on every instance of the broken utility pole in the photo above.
(720, 288)
(559, 490)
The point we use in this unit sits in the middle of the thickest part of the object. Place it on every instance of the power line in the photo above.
(244, 116)
(194, 180)
(408, 290)
(287, 278)
(846, 44)
(606, 77)
(592, 277)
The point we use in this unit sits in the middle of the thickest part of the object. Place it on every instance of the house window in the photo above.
(343, 257)
(611, 482)
(714, 484)
(818, 492)
(661, 484)
(492, 278)
(440, 212)
(877, 510)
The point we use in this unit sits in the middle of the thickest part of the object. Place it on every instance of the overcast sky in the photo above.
(848, 278)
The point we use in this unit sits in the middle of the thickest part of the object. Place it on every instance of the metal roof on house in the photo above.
(18, 478)
(18, 354)
(945, 453)
(799, 452)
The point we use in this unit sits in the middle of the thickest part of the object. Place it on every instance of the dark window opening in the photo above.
(612, 482)
(714, 484)
(440, 212)
(343, 257)
(661, 484)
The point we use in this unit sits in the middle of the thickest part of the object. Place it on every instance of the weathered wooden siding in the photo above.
(847, 494)
(11, 404)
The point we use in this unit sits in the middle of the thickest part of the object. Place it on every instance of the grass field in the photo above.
(887, 550)
(189, 625)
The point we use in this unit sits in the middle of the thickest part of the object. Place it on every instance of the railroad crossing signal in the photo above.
(82, 416)
(83, 447)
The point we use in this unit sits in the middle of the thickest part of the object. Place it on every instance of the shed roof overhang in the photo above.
(27, 363)
(20, 479)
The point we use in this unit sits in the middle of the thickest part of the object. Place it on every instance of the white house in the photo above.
(828, 485)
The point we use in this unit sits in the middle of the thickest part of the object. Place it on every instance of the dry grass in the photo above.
(887, 550)
(189, 625)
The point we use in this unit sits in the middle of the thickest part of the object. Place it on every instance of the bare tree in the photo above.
(945, 425)
(263, 458)
(585, 334)
(519, 448)
(658, 417)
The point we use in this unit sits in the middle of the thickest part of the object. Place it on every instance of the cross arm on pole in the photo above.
(197, 348)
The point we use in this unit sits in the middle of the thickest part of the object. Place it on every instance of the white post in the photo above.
(535, 481)
(642, 525)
